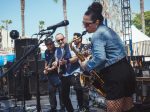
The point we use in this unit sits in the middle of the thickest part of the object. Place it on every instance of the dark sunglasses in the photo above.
(60, 40)
(86, 24)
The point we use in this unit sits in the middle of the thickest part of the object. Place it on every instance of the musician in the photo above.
(109, 57)
(84, 92)
(68, 63)
(53, 79)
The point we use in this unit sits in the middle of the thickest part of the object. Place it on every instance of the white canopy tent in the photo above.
(137, 35)
(140, 43)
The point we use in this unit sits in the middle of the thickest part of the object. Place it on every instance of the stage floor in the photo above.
(9, 105)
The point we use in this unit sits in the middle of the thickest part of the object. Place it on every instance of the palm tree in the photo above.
(41, 25)
(1, 27)
(142, 15)
(22, 17)
(7, 22)
(65, 16)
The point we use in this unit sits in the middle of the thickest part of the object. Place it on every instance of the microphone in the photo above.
(14, 34)
(60, 24)
(42, 33)
(83, 33)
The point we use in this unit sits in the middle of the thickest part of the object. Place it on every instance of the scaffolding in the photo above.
(126, 24)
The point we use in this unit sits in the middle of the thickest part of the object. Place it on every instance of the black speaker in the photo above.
(43, 82)
(18, 84)
(23, 45)
(11, 80)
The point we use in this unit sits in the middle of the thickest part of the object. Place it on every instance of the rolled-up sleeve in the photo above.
(98, 53)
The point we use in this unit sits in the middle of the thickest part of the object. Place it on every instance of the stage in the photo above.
(8, 105)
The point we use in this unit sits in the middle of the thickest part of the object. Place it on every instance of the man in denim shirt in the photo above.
(109, 57)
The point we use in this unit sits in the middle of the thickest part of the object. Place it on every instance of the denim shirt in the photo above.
(107, 48)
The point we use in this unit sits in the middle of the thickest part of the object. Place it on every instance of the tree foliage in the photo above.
(55, 1)
(2, 27)
(41, 24)
(137, 22)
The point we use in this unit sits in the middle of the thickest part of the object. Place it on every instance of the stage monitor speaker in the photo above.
(23, 45)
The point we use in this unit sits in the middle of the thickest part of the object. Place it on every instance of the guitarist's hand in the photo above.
(62, 62)
(45, 71)
(46, 68)
(50, 69)
(55, 64)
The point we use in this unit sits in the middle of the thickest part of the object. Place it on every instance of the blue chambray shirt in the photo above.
(107, 48)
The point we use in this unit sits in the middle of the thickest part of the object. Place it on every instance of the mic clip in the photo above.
(47, 29)
(43, 33)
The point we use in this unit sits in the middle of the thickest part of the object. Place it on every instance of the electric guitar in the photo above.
(61, 68)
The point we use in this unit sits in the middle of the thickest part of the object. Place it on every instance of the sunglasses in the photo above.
(60, 40)
(86, 24)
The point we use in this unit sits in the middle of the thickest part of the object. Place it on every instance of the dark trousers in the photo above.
(53, 100)
(80, 92)
(75, 81)
(66, 83)
(54, 84)
(86, 98)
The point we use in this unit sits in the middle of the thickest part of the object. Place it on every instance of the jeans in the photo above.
(54, 83)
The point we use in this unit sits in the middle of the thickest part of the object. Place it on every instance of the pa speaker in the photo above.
(23, 45)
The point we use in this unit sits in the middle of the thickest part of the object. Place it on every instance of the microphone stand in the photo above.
(21, 60)
(38, 106)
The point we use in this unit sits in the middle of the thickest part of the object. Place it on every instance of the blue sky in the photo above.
(51, 13)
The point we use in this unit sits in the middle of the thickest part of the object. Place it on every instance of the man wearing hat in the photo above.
(53, 79)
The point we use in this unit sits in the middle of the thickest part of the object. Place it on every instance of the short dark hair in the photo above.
(77, 34)
(49, 41)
